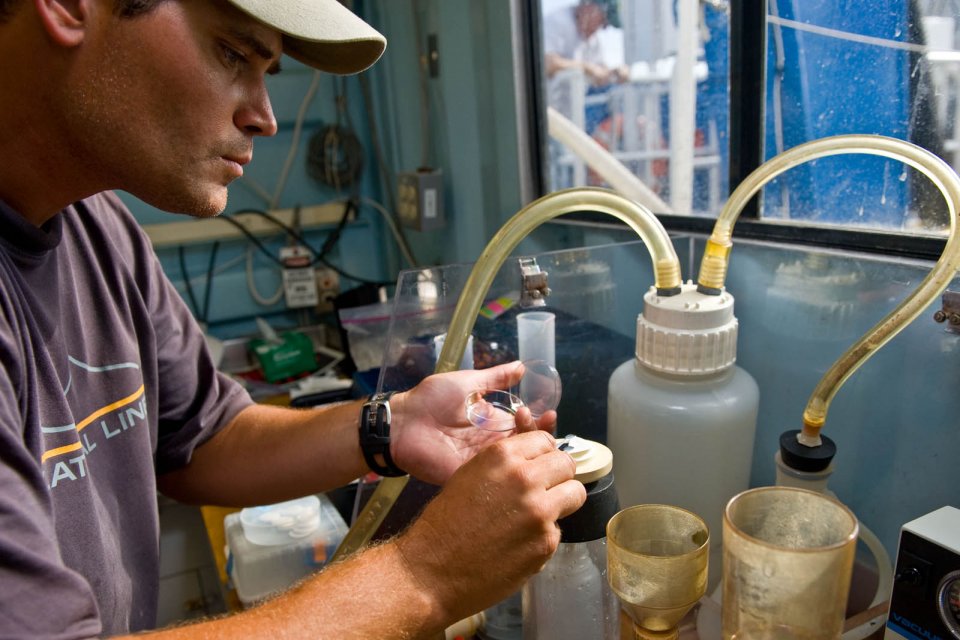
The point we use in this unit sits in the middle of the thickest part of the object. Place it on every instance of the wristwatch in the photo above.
(375, 419)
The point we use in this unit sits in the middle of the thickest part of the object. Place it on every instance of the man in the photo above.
(570, 41)
(107, 393)
(575, 60)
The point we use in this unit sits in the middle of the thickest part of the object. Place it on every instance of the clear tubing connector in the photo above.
(713, 268)
(666, 269)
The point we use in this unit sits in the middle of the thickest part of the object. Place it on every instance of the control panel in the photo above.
(925, 602)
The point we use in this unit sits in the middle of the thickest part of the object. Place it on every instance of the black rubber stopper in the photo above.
(804, 458)
(589, 522)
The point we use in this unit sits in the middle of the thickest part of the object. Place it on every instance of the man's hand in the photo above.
(430, 434)
(493, 525)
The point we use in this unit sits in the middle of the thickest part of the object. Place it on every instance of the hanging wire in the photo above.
(318, 255)
(202, 314)
(294, 145)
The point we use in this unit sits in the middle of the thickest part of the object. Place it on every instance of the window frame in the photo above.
(748, 34)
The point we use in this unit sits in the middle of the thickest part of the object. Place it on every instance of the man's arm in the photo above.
(268, 454)
(597, 73)
(493, 525)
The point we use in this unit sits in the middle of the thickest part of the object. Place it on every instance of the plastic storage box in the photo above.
(270, 548)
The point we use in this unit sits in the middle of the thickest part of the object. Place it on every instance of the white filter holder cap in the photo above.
(687, 334)
(593, 459)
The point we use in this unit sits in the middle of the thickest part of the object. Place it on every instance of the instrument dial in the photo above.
(948, 602)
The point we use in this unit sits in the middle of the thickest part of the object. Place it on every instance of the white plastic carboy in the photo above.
(681, 416)
(570, 599)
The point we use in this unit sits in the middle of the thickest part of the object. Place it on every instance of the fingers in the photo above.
(502, 376)
(509, 496)
(531, 445)
(570, 496)
(526, 422)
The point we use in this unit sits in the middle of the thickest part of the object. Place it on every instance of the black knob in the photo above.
(911, 576)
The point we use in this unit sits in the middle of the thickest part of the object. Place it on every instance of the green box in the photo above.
(291, 357)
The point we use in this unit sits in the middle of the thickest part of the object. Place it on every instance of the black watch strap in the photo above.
(375, 435)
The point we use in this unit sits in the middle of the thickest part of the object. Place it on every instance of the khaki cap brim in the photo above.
(322, 34)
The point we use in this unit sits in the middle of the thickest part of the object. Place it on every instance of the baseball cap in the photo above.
(322, 34)
(611, 8)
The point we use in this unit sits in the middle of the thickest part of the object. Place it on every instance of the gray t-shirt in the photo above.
(105, 381)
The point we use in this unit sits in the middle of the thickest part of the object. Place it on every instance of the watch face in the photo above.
(948, 602)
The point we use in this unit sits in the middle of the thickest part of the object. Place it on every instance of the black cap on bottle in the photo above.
(803, 458)
(589, 522)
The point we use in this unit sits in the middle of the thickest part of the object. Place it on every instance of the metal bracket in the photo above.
(533, 284)
(950, 312)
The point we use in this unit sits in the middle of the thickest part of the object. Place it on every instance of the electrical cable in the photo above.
(264, 301)
(200, 313)
(258, 189)
(394, 229)
(293, 234)
(385, 174)
(334, 236)
(252, 238)
(211, 264)
(186, 280)
(221, 268)
(386, 177)
(295, 144)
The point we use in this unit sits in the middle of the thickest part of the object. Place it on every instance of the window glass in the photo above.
(646, 81)
(866, 66)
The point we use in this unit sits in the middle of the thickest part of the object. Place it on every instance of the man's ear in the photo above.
(66, 21)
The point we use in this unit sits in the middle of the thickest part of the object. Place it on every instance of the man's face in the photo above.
(590, 18)
(167, 104)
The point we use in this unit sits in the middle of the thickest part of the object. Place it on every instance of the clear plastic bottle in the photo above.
(570, 599)
(565, 600)
(681, 416)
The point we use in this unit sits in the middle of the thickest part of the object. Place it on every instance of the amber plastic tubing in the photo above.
(713, 268)
(666, 269)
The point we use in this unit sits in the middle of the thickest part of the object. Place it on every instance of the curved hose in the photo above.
(666, 265)
(602, 161)
(713, 267)
(666, 269)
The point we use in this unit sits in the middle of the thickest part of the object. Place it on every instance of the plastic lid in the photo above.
(539, 390)
(688, 334)
(593, 459)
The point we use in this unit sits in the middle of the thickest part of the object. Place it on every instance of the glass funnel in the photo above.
(657, 558)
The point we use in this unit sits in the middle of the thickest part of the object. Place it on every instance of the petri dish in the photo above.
(494, 409)
(540, 387)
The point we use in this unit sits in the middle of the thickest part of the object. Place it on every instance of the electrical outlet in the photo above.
(420, 199)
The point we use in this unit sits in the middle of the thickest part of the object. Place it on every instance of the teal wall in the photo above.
(471, 135)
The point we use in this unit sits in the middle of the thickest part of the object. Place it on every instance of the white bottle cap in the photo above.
(687, 334)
